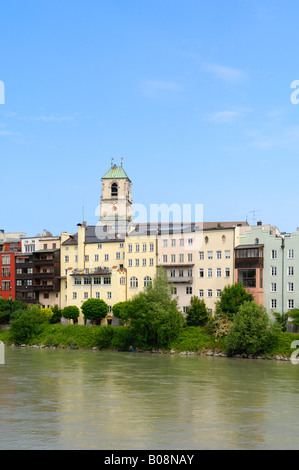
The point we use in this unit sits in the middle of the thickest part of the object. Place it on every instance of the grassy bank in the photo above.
(193, 339)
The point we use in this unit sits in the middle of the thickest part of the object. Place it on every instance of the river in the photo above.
(76, 399)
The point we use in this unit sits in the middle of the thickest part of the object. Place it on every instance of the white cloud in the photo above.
(223, 116)
(228, 74)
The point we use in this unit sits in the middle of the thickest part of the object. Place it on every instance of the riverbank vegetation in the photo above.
(152, 321)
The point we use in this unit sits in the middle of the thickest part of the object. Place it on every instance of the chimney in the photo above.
(259, 222)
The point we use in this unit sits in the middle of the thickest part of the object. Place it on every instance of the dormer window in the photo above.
(114, 190)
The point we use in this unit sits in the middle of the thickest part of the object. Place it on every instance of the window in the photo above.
(172, 273)
(121, 245)
(5, 285)
(164, 243)
(151, 261)
(114, 190)
(143, 261)
(77, 281)
(137, 247)
(173, 242)
(218, 272)
(144, 247)
(227, 272)
(97, 295)
(291, 254)
(133, 282)
(85, 295)
(87, 281)
(227, 254)
(19, 282)
(201, 272)
(147, 281)
(130, 262)
(76, 258)
(190, 272)
(290, 270)
(137, 262)
(273, 303)
(181, 273)
(106, 257)
(273, 271)
(290, 303)
(122, 280)
(210, 255)
(74, 295)
(274, 254)
(173, 258)
(151, 247)
(96, 258)
(181, 258)
(130, 248)
(66, 259)
(290, 287)
(210, 293)
(173, 290)
(189, 290)
(273, 287)
(99, 246)
(218, 254)
(107, 280)
(200, 293)
(97, 281)
(5, 272)
(201, 255)
(190, 257)
(210, 272)
(218, 293)
(117, 255)
(86, 257)
(190, 241)
(108, 295)
(182, 242)
(164, 258)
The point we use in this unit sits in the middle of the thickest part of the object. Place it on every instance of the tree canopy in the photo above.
(232, 297)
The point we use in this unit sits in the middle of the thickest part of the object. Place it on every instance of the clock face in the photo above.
(114, 206)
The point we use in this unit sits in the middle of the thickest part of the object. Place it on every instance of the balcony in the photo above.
(184, 279)
(43, 275)
(44, 262)
(91, 272)
(44, 288)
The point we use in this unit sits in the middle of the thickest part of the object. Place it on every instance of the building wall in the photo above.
(281, 266)
(214, 266)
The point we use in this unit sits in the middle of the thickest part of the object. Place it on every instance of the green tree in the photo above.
(120, 311)
(94, 310)
(26, 325)
(71, 312)
(154, 315)
(252, 331)
(293, 315)
(232, 297)
(197, 312)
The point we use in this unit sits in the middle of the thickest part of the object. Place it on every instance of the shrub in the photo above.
(232, 297)
(71, 312)
(27, 325)
(252, 331)
(94, 309)
(197, 312)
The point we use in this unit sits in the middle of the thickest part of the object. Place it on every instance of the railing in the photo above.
(188, 279)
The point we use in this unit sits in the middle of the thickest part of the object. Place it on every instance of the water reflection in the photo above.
(108, 400)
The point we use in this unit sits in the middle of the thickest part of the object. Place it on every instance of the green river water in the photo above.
(77, 399)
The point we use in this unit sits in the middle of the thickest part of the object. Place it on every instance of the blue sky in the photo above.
(193, 94)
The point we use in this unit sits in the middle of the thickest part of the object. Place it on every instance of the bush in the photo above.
(71, 313)
(154, 316)
(232, 297)
(94, 309)
(27, 325)
(252, 331)
(197, 312)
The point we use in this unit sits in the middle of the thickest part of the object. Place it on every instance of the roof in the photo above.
(115, 172)
(244, 247)
(95, 234)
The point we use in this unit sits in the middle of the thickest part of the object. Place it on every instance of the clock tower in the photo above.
(116, 199)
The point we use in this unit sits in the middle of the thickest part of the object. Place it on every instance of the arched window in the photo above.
(133, 282)
(114, 190)
(147, 281)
